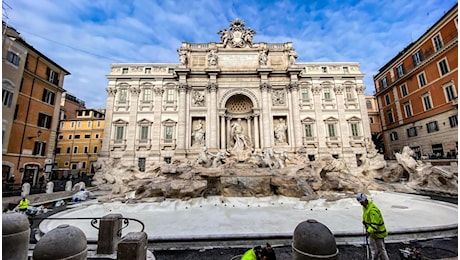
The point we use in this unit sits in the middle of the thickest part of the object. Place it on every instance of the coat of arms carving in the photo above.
(237, 36)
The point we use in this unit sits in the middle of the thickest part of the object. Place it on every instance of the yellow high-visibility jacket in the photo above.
(23, 204)
(249, 255)
(373, 220)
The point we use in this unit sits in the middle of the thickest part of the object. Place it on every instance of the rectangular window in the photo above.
(68, 150)
(83, 165)
(354, 130)
(148, 70)
(384, 82)
(308, 130)
(60, 137)
(327, 93)
(16, 111)
(144, 134)
(87, 136)
(75, 149)
(52, 76)
(96, 136)
(72, 124)
(443, 67)
(119, 133)
(168, 132)
(331, 130)
(98, 124)
(408, 109)
(393, 136)
(44, 120)
(349, 93)
(437, 42)
(48, 96)
(89, 124)
(170, 95)
(387, 99)
(453, 121)
(7, 97)
(427, 102)
(390, 116)
(404, 90)
(304, 93)
(421, 79)
(124, 71)
(70, 137)
(411, 132)
(85, 149)
(123, 97)
(147, 95)
(95, 149)
(13, 58)
(369, 104)
(400, 70)
(58, 150)
(417, 57)
(78, 124)
(371, 119)
(345, 69)
(141, 164)
(39, 148)
(77, 136)
(450, 93)
(432, 127)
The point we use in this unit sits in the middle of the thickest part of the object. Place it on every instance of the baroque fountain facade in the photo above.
(244, 118)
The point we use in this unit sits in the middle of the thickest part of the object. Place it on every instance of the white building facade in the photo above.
(235, 96)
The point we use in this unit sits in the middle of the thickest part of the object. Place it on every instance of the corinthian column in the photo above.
(213, 141)
(156, 130)
(294, 89)
(181, 125)
(266, 139)
(111, 92)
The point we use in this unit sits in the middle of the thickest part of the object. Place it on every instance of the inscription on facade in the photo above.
(239, 60)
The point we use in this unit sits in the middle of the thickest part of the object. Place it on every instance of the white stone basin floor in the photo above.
(238, 217)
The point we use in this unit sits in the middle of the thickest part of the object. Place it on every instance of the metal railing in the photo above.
(94, 222)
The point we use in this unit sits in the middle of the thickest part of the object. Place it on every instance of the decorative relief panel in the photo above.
(278, 97)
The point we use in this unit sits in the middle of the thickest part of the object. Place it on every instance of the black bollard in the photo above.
(15, 236)
(313, 240)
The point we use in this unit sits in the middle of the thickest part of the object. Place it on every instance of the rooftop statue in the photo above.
(237, 36)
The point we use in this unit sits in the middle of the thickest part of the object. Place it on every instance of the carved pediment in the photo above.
(169, 122)
(308, 120)
(331, 119)
(354, 119)
(144, 122)
(120, 122)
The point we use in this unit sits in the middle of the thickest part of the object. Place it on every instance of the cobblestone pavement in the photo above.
(442, 248)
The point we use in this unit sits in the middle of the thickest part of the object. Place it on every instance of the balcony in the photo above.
(356, 141)
(170, 143)
(144, 144)
(333, 141)
(118, 144)
(310, 142)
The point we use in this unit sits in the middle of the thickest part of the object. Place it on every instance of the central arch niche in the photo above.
(239, 110)
(239, 104)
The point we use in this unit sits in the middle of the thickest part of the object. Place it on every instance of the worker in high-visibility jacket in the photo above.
(23, 204)
(252, 254)
(375, 227)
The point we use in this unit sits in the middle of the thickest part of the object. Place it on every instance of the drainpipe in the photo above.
(27, 117)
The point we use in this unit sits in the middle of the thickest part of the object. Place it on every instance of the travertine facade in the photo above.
(234, 96)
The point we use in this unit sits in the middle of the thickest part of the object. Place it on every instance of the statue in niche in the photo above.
(212, 58)
(198, 134)
(292, 57)
(280, 132)
(198, 98)
(241, 141)
(182, 56)
(263, 57)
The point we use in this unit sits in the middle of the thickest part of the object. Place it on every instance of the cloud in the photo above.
(86, 36)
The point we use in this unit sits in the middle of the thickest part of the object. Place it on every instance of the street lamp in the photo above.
(39, 132)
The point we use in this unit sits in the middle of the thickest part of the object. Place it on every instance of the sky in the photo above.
(86, 36)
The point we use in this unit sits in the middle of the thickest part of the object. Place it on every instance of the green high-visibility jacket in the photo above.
(373, 220)
(249, 255)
